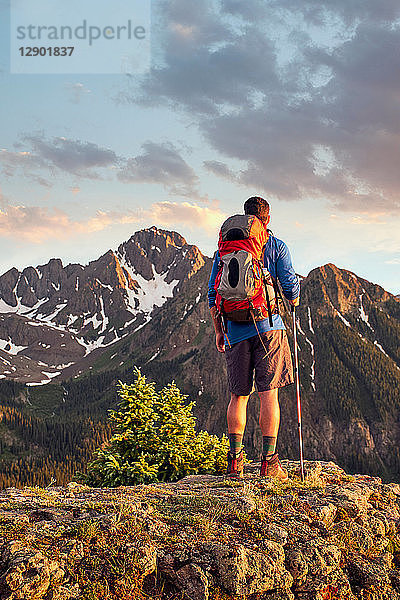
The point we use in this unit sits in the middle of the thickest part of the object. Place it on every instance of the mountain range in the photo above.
(69, 333)
(52, 316)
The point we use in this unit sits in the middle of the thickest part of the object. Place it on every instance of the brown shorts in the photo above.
(271, 371)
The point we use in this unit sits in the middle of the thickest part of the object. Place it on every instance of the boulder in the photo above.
(28, 573)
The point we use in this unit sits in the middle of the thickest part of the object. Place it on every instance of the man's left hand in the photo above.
(220, 342)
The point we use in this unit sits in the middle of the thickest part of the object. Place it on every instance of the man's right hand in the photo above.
(220, 342)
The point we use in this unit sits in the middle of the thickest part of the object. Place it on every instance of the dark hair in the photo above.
(257, 206)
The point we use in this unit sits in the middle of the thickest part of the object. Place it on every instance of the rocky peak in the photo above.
(160, 237)
(28, 287)
(329, 289)
(8, 281)
(106, 271)
(157, 251)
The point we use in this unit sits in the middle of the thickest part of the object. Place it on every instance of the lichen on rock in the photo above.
(333, 536)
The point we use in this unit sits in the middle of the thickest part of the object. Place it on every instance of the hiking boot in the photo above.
(271, 467)
(235, 465)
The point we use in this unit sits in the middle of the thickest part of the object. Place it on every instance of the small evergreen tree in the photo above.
(154, 439)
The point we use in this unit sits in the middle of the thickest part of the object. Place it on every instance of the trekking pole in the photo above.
(296, 371)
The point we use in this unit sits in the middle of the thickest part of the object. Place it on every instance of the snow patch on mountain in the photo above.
(93, 320)
(20, 308)
(154, 356)
(93, 344)
(341, 317)
(103, 285)
(312, 373)
(49, 318)
(104, 318)
(50, 375)
(299, 326)
(147, 320)
(378, 345)
(150, 293)
(71, 320)
(10, 347)
(309, 342)
(363, 316)
(186, 310)
(310, 326)
(39, 273)
(6, 308)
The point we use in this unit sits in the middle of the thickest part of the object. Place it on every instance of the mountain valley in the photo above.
(68, 334)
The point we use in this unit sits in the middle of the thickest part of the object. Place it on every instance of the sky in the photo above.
(297, 102)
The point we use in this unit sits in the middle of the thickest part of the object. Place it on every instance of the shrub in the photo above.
(154, 439)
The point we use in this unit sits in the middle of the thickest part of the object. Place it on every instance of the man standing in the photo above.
(260, 349)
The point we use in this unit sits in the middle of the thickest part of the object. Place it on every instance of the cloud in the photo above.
(191, 23)
(73, 156)
(24, 162)
(271, 84)
(159, 163)
(220, 169)
(315, 12)
(162, 164)
(200, 66)
(34, 224)
(38, 224)
(43, 156)
(351, 11)
(186, 213)
(251, 10)
(371, 206)
(77, 92)
(353, 116)
(369, 219)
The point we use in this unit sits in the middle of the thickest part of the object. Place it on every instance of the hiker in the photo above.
(251, 332)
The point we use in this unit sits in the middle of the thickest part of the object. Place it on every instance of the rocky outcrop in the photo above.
(331, 289)
(161, 251)
(333, 536)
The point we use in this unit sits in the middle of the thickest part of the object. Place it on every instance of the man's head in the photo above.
(258, 207)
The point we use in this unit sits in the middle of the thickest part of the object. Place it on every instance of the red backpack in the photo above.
(245, 290)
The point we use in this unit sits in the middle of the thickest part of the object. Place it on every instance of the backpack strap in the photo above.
(265, 286)
(278, 290)
(259, 334)
(268, 306)
(224, 321)
(275, 282)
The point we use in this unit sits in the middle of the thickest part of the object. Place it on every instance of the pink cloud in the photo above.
(37, 224)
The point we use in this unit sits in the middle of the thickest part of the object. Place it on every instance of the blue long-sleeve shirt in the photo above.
(278, 261)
